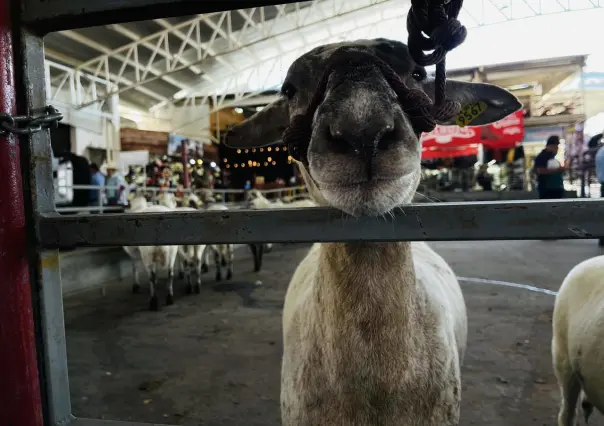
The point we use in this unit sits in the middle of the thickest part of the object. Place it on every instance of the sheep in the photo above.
(154, 258)
(223, 253)
(374, 333)
(191, 200)
(137, 204)
(578, 340)
(191, 256)
(167, 199)
(258, 201)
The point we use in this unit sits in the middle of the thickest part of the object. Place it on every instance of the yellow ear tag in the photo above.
(470, 112)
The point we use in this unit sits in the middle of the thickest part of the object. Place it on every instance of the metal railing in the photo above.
(294, 192)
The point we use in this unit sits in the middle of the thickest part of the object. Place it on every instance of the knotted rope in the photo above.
(433, 26)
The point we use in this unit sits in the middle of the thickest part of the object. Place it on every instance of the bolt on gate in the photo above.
(33, 363)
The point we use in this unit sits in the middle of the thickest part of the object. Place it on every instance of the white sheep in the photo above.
(223, 253)
(154, 258)
(191, 256)
(373, 333)
(191, 200)
(258, 201)
(578, 340)
(167, 199)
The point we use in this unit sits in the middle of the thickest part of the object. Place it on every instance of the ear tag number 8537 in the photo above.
(469, 113)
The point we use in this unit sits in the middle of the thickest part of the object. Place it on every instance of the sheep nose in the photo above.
(364, 139)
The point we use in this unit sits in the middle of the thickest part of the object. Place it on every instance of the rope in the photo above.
(416, 104)
(433, 26)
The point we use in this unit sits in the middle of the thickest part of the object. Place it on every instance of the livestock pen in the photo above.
(37, 338)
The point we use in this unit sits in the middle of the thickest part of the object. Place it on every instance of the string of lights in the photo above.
(267, 161)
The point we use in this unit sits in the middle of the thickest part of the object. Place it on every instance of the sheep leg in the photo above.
(136, 287)
(217, 261)
(587, 407)
(187, 269)
(206, 260)
(170, 296)
(198, 266)
(153, 303)
(258, 252)
(570, 388)
(229, 260)
(182, 271)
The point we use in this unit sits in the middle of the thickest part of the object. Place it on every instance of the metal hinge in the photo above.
(26, 125)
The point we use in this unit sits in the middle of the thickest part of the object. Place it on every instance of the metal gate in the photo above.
(34, 386)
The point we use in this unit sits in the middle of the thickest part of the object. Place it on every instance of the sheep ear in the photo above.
(499, 102)
(263, 128)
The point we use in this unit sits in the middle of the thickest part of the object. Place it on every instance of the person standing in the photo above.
(117, 194)
(599, 160)
(96, 179)
(550, 183)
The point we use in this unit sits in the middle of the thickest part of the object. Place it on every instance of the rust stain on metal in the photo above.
(511, 208)
(50, 261)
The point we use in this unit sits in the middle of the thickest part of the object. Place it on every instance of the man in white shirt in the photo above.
(117, 191)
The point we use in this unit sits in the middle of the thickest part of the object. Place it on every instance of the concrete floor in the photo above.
(214, 358)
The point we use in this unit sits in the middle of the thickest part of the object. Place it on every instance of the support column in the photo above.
(20, 398)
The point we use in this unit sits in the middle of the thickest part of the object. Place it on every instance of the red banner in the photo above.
(504, 134)
(454, 141)
(462, 151)
(451, 136)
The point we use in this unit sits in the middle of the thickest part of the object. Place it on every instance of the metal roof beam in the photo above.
(60, 57)
(163, 52)
(59, 15)
(131, 59)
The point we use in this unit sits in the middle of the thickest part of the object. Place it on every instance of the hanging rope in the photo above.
(416, 104)
(433, 26)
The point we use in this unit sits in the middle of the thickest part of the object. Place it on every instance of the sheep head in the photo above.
(364, 154)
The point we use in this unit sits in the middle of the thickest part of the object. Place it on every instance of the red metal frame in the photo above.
(20, 398)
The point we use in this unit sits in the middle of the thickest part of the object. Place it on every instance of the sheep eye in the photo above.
(417, 75)
(288, 90)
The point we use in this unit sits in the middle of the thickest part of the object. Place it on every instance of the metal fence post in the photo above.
(20, 398)
(44, 266)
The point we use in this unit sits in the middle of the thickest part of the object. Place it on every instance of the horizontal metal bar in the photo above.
(47, 16)
(88, 209)
(96, 422)
(561, 219)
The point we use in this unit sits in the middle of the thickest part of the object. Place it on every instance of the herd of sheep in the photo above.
(192, 259)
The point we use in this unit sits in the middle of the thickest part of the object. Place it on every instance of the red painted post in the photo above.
(185, 164)
(20, 399)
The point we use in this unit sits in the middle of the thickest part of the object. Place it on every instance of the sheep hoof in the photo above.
(154, 304)
(204, 268)
(198, 288)
(218, 276)
(588, 408)
(229, 275)
(223, 262)
(189, 289)
(169, 300)
(136, 288)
